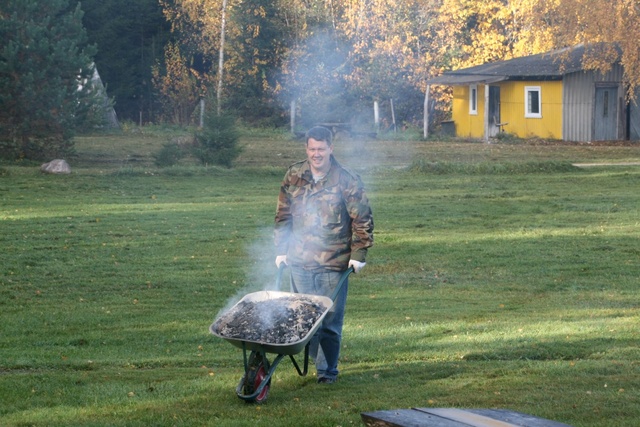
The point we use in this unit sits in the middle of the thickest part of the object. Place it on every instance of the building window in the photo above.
(532, 102)
(473, 99)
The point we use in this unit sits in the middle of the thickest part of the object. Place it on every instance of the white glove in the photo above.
(357, 265)
(280, 259)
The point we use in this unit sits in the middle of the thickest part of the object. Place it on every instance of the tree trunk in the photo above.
(376, 116)
(425, 128)
(393, 116)
(221, 57)
(292, 114)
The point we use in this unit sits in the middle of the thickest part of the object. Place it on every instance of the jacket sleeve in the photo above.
(361, 220)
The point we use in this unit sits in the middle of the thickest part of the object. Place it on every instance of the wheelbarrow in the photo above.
(255, 384)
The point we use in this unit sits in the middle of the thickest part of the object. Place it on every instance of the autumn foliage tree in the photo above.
(614, 23)
(335, 58)
(392, 50)
(179, 87)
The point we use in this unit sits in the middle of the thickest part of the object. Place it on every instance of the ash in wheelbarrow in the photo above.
(281, 323)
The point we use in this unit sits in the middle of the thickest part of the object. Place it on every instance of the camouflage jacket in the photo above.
(325, 224)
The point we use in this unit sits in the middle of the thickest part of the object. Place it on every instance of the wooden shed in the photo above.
(548, 95)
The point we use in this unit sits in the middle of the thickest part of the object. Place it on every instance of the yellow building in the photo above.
(548, 96)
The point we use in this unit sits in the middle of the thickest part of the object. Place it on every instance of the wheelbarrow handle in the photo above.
(343, 279)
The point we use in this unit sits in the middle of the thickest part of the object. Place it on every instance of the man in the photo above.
(323, 226)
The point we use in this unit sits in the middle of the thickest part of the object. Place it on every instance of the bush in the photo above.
(170, 154)
(217, 142)
(39, 147)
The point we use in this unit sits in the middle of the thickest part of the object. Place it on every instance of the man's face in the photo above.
(319, 155)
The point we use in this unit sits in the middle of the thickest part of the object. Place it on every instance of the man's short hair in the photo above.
(319, 133)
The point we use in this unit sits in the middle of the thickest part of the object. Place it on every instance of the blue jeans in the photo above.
(324, 347)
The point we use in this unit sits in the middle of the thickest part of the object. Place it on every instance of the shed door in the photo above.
(494, 110)
(606, 115)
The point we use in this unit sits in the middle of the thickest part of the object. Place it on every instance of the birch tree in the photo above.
(223, 27)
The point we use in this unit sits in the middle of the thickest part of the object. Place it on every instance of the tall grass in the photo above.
(493, 284)
(425, 166)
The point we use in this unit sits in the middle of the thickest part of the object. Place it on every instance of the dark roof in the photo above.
(543, 66)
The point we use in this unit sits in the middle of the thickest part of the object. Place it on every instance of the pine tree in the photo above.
(217, 141)
(45, 64)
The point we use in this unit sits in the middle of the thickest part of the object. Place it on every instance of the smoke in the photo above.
(259, 269)
(315, 78)
(318, 79)
(263, 271)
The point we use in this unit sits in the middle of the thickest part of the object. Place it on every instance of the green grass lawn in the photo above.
(501, 277)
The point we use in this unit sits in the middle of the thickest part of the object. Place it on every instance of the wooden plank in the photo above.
(450, 417)
(515, 418)
(518, 418)
(467, 417)
(406, 418)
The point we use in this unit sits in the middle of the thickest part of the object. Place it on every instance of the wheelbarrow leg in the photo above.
(305, 367)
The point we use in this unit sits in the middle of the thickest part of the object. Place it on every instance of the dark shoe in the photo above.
(326, 380)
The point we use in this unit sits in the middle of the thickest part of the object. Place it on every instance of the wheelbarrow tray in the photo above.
(267, 347)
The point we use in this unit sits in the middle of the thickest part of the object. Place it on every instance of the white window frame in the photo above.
(473, 100)
(528, 113)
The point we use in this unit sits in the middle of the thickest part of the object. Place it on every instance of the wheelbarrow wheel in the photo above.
(254, 378)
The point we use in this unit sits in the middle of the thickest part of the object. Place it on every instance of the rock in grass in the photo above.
(57, 166)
